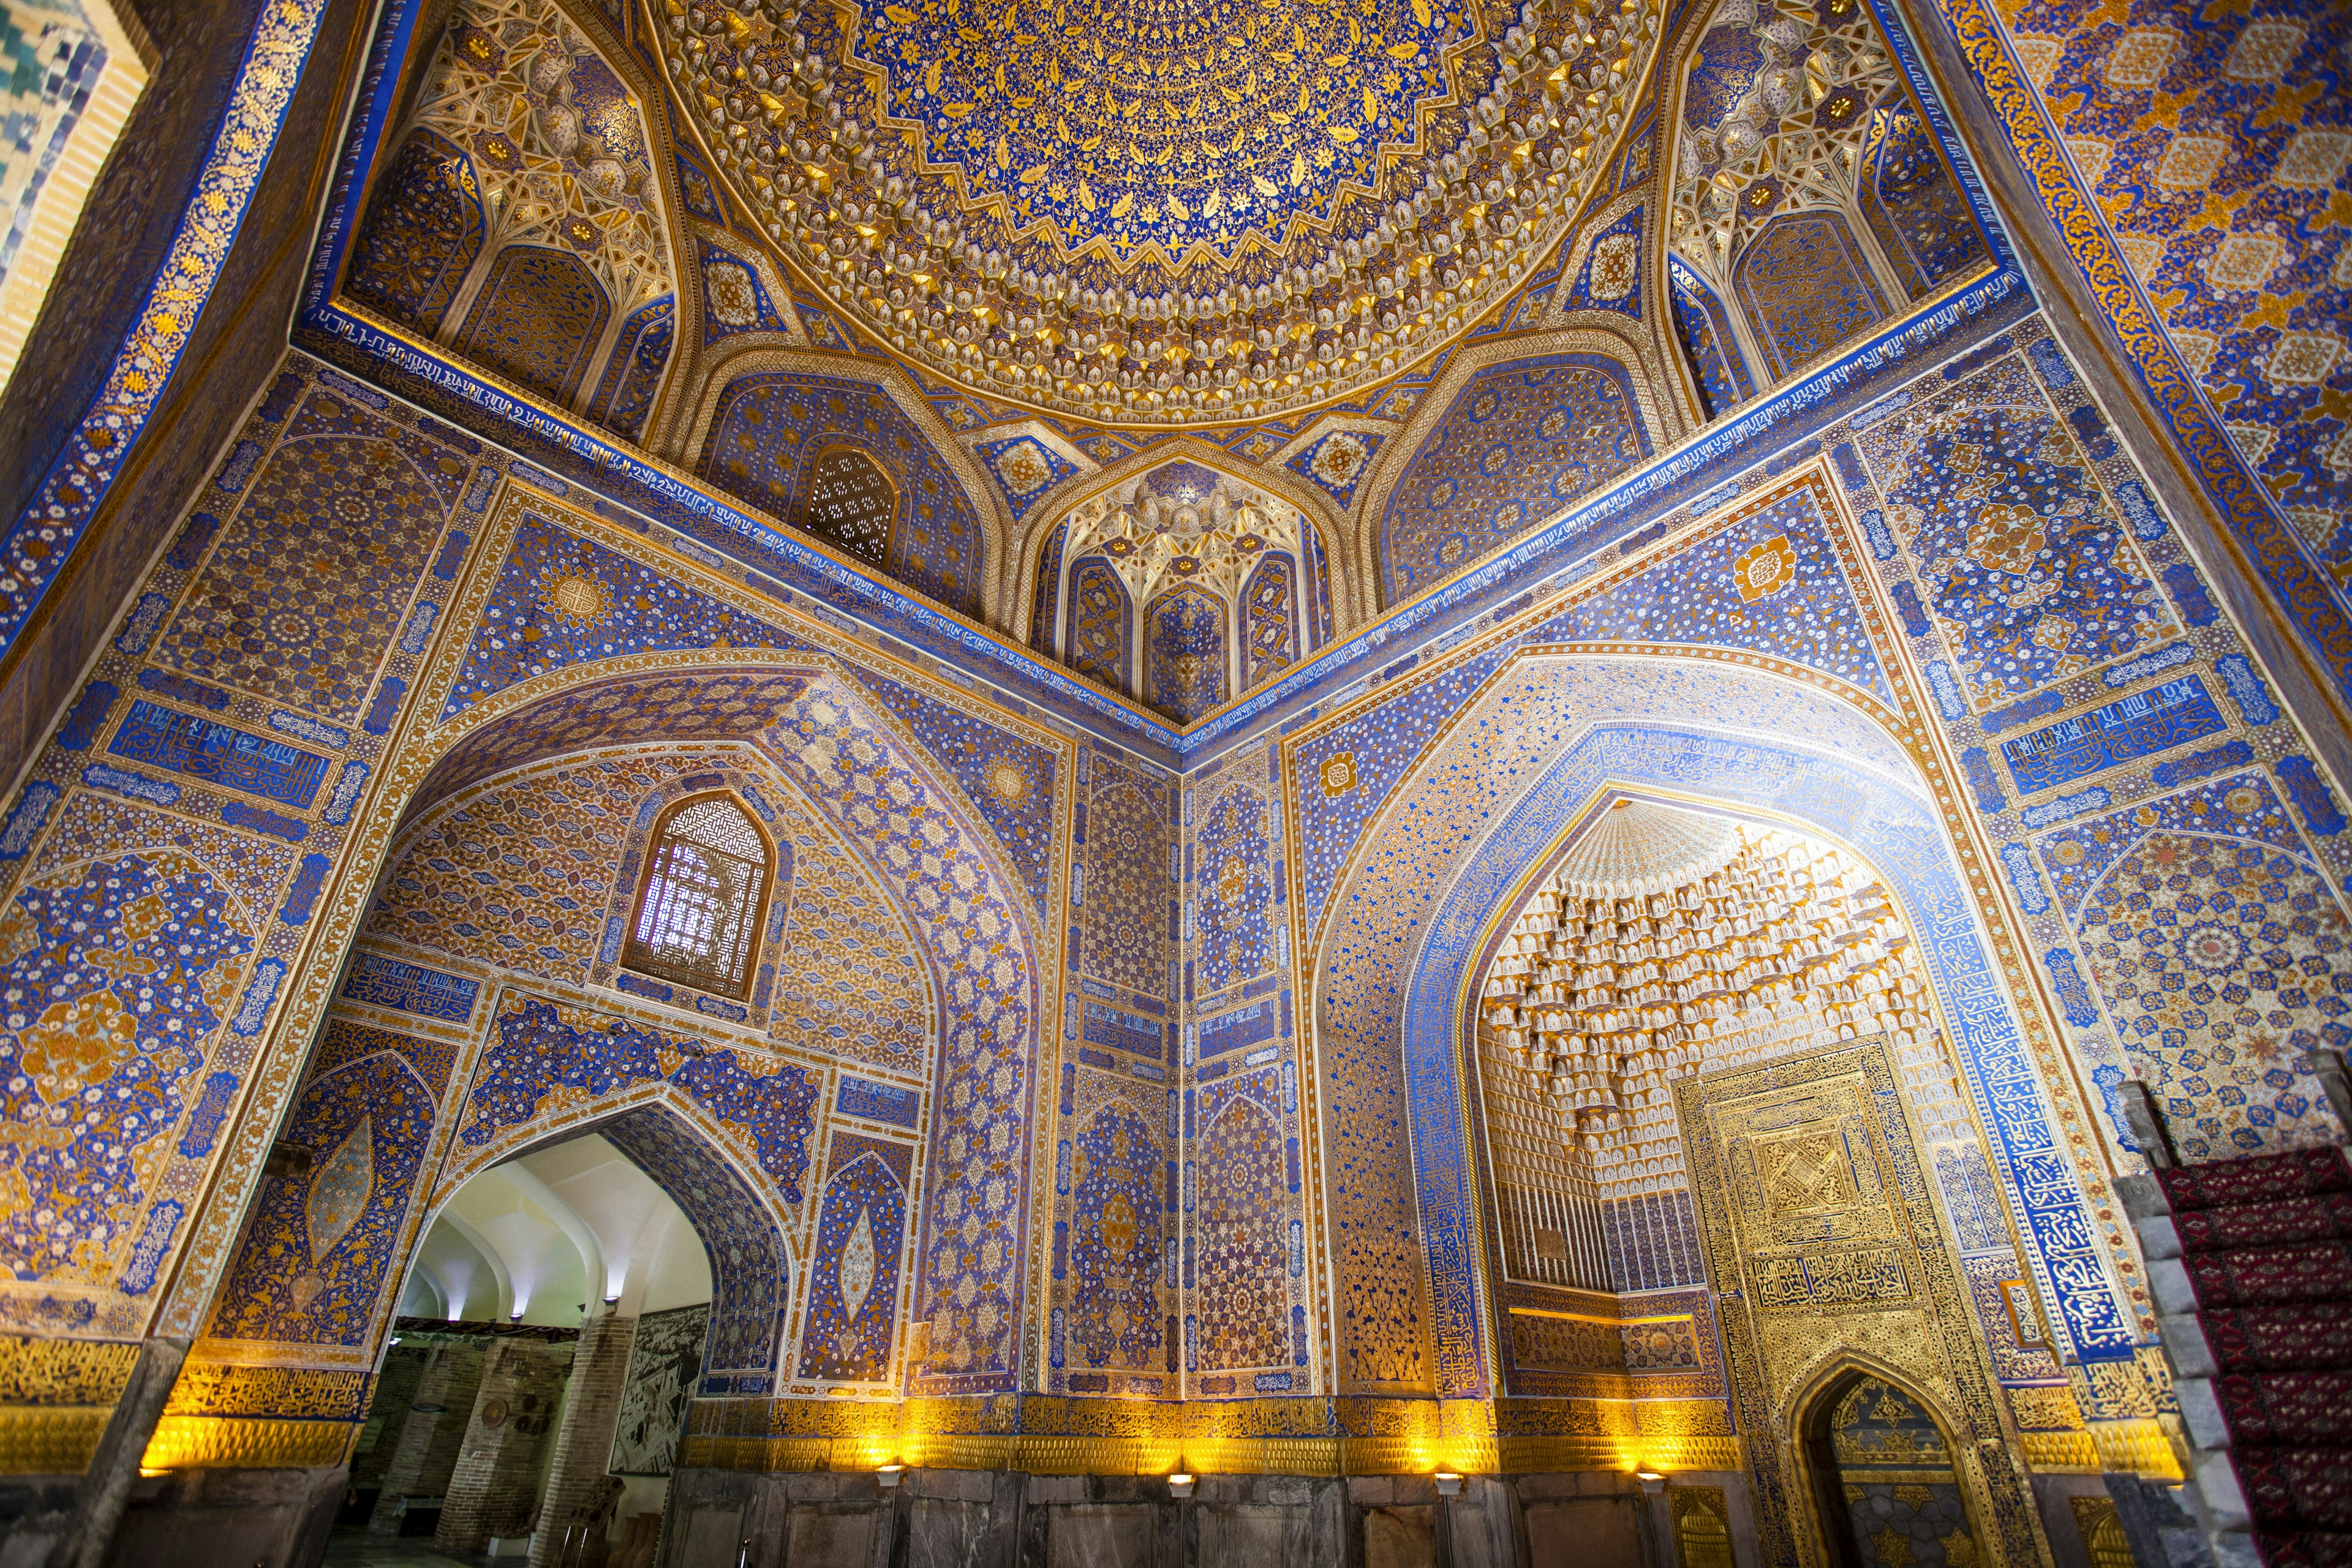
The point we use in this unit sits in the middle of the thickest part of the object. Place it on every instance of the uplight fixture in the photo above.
(890, 1475)
(1449, 1483)
(1180, 1485)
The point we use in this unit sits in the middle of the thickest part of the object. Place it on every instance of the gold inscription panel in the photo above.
(1819, 1225)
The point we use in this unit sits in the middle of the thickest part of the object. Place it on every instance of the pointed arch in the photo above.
(1587, 723)
(1807, 287)
(702, 897)
(1099, 639)
(1027, 579)
(1630, 361)
(1117, 1245)
(538, 320)
(961, 898)
(761, 413)
(571, 205)
(422, 233)
(1187, 654)
(1272, 639)
(747, 1238)
(1828, 1443)
(850, 1318)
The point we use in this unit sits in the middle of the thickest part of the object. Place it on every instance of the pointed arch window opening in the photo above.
(850, 503)
(704, 897)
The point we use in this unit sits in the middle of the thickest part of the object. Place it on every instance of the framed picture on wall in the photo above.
(663, 1361)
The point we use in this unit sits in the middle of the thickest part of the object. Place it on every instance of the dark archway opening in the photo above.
(1886, 1485)
(561, 1313)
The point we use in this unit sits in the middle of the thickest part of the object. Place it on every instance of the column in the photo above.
(495, 1487)
(428, 1449)
(576, 1475)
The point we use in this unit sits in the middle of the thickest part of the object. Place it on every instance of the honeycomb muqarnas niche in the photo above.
(1014, 752)
(1184, 588)
(1810, 199)
(521, 222)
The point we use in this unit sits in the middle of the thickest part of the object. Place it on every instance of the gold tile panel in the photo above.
(43, 1441)
(205, 1388)
(224, 1442)
(1265, 1456)
(63, 1371)
(2139, 1445)
(2060, 1453)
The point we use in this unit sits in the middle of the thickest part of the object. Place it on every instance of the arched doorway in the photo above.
(1826, 1092)
(1887, 1489)
(498, 1057)
(564, 1308)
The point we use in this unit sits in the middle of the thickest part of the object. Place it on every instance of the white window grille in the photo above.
(699, 908)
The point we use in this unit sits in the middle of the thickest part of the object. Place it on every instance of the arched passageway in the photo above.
(563, 1308)
(1885, 1488)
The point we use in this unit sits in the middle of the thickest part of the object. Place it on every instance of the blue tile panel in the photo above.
(2169, 715)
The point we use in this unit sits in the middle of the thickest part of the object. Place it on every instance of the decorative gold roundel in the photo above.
(1009, 781)
(1160, 212)
(577, 595)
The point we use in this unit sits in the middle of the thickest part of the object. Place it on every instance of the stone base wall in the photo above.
(1004, 1518)
(228, 1519)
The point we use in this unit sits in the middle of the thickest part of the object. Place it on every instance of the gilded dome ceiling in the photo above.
(1162, 212)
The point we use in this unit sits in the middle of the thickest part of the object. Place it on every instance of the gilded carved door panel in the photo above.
(1826, 1250)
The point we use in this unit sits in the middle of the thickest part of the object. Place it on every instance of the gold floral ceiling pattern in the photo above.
(1162, 212)
(1170, 123)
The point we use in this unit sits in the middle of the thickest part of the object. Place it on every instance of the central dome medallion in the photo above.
(1143, 124)
(1160, 212)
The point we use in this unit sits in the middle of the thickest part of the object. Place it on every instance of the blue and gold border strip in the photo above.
(43, 537)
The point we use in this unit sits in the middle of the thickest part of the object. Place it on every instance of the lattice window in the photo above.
(706, 887)
(850, 504)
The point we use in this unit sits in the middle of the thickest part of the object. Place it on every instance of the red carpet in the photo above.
(2267, 1245)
